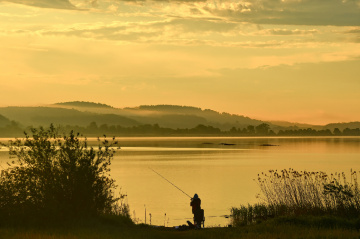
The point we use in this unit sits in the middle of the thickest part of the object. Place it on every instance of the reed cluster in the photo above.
(294, 193)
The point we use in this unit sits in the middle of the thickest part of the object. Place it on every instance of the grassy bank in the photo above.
(281, 228)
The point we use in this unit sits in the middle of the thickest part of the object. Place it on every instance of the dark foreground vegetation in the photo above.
(55, 179)
(287, 228)
(59, 187)
(313, 199)
(93, 130)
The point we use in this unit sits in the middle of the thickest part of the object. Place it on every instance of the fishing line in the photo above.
(171, 183)
(188, 218)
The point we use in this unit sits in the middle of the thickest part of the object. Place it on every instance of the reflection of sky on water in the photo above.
(150, 149)
(222, 175)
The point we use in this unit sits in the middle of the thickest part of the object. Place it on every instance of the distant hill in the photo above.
(172, 116)
(173, 120)
(163, 113)
(84, 104)
(169, 116)
(36, 116)
(169, 108)
(4, 121)
(294, 125)
(342, 126)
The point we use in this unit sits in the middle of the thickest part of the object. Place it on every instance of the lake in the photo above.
(221, 170)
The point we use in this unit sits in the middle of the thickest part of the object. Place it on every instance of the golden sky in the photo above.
(294, 60)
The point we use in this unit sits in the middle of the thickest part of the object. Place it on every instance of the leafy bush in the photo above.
(55, 178)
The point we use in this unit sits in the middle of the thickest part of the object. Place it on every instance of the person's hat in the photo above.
(196, 196)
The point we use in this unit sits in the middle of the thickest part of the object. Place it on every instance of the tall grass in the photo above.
(294, 193)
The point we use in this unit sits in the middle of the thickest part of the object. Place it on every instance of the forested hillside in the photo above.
(96, 118)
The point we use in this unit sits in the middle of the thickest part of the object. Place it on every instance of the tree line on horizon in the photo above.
(93, 129)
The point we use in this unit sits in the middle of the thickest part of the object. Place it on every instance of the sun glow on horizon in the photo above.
(281, 60)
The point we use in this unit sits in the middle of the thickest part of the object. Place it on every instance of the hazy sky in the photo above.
(294, 60)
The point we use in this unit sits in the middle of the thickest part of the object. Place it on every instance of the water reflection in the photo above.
(220, 170)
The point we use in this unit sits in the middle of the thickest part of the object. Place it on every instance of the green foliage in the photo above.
(55, 178)
(294, 193)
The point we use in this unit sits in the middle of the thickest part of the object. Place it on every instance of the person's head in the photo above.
(195, 196)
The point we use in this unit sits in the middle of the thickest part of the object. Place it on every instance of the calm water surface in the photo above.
(220, 170)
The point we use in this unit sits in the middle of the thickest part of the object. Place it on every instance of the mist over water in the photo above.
(220, 170)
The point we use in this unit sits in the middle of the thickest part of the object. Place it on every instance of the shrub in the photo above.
(55, 178)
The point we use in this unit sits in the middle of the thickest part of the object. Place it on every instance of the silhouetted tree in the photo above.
(251, 129)
(55, 178)
(233, 131)
(271, 133)
(262, 129)
(337, 131)
(104, 128)
(92, 126)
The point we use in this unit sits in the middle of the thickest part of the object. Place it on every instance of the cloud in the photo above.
(290, 12)
(58, 4)
(281, 12)
(287, 32)
(115, 31)
(178, 29)
(354, 34)
(167, 1)
(354, 31)
(196, 31)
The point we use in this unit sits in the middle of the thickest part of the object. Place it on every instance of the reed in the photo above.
(297, 193)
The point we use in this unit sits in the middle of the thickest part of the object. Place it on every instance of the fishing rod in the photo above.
(171, 183)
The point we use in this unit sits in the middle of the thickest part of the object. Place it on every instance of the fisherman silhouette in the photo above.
(197, 211)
